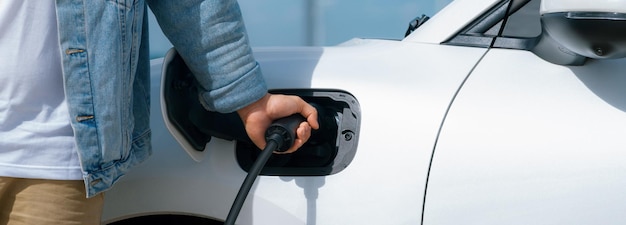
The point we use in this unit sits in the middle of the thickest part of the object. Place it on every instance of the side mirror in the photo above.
(596, 35)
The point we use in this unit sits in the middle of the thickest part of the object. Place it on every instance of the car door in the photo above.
(528, 141)
(394, 92)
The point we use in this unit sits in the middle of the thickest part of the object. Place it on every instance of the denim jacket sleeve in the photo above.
(211, 38)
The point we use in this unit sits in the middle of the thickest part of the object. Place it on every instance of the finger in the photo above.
(257, 136)
(259, 142)
(310, 113)
(303, 134)
(296, 145)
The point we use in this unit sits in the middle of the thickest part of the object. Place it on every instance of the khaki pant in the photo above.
(43, 202)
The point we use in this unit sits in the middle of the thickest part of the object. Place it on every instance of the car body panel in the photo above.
(530, 142)
(513, 139)
(392, 93)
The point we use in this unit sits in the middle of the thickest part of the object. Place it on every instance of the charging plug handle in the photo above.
(280, 136)
(286, 128)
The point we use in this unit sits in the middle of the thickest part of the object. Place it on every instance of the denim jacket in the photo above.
(104, 51)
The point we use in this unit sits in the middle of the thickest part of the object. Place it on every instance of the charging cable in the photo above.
(280, 136)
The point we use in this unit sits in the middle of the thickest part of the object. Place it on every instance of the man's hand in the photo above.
(258, 116)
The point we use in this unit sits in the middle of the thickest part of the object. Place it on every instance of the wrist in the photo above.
(253, 107)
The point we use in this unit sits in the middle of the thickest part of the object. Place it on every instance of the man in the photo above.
(74, 104)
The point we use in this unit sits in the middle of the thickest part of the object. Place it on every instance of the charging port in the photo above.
(329, 150)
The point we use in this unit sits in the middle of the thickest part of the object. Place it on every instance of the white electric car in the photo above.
(490, 112)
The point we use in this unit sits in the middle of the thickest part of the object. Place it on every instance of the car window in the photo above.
(522, 24)
(525, 23)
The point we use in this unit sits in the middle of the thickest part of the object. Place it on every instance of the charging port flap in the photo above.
(329, 150)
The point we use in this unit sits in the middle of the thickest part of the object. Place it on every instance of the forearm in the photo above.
(210, 36)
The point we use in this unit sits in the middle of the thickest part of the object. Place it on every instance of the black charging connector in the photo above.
(280, 136)
(286, 128)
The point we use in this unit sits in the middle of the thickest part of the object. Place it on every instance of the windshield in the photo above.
(319, 22)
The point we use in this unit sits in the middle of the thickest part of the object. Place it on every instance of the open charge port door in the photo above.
(329, 150)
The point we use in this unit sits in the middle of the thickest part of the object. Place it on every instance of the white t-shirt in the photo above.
(36, 139)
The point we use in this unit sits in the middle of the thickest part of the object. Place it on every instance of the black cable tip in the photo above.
(285, 127)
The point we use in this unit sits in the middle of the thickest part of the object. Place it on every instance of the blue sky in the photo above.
(284, 22)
